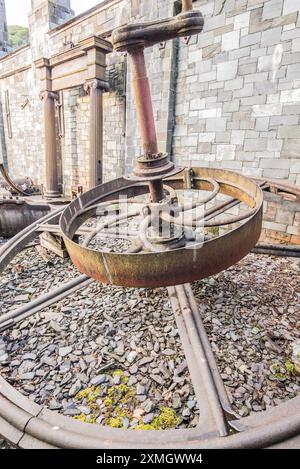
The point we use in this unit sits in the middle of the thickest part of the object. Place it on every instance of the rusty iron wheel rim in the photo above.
(176, 266)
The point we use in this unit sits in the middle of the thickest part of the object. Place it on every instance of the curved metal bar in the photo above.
(106, 224)
(10, 182)
(216, 189)
(204, 385)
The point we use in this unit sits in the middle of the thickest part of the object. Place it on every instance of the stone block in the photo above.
(262, 123)
(207, 136)
(290, 34)
(231, 40)
(293, 72)
(209, 113)
(276, 121)
(269, 225)
(256, 77)
(235, 84)
(271, 37)
(227, 70)
(197, 103)
(265, 63)
(238, 53)
(290, 96)
(225, 152)
(210, 51)
(276, 173)
(291, 109)
(291, 131)
(209, 76)
(247, 90)
(291, 149)
(296, 45)
(253, 144)
(231, 106)
(293, 230)
(216, 125)
(253, 100)
(263, 110)
(272, 163)
(274, 145)
(242, 20)
(250, 39)
(203, 66)
(272, 9)
(194, 56)
(252, 172)
(237, 137)
(246, 69)
(204, 147)
(290, 6)
(214, 22)
(223, 137)
(284, 216)
(190, 141)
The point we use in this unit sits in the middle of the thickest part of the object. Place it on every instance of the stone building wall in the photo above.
(281, 220)
(231, 94)
(239, 83)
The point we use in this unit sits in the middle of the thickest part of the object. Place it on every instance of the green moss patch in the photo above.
(117, 406)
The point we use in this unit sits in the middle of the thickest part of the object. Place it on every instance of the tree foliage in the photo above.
(17, 36)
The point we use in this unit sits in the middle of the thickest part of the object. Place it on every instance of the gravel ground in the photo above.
(122, 344)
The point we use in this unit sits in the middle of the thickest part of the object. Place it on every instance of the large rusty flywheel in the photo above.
(160, 226)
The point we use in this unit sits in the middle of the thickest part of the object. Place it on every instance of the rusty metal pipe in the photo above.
(51, 167)
(156, 190)
(187, 5)
(145, 115)
(143, 101)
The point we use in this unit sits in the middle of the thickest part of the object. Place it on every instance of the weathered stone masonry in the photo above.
(231, 95)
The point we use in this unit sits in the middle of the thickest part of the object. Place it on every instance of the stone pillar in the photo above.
(51, 180)
(3, 30)
(95, 89)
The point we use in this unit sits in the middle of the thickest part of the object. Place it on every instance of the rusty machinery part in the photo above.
(152, 265)
(28, 425)
(144, 35)
(153, 168)
(22, 186)
(17, 213)
(134, 38)
(282, 188)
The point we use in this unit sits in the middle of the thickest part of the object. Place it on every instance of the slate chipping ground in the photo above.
(251, 313)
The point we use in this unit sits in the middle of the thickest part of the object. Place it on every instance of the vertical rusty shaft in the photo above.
(143, 101)
(187, 5)
(96, 143)
(145, 115)
(52, 189)
(156, 190)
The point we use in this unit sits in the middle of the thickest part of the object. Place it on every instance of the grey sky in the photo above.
(17, 10)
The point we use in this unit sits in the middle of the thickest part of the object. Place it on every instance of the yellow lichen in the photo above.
(166, 419)
(120, 403)
(115, 422)
(86, 418)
